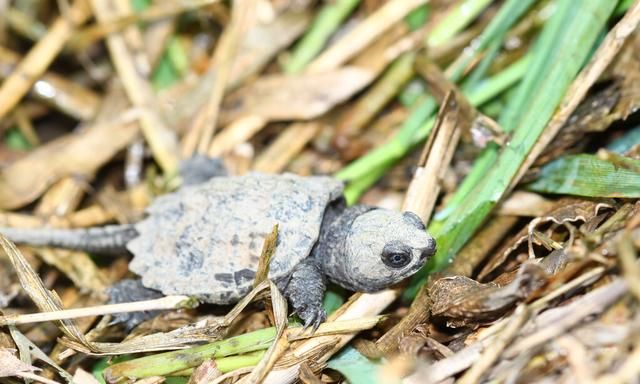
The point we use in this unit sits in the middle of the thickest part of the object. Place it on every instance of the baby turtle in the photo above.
(205, 240)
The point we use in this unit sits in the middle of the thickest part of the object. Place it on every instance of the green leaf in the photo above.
(588, 175)
(365, 171)
(16, 140)
(172, 65)
(225, 352)
(416, 18)
(178, 56)
(164, 75)
(333, 299)
(356, 368)
(626, 142)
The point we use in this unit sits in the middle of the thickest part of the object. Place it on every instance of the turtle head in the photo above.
(381, 248)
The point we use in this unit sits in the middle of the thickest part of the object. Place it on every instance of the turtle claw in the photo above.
(312, 319)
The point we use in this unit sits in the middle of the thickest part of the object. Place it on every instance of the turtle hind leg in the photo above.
(110, 239)
(305, 291)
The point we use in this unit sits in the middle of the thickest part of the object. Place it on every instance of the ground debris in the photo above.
(510, 128)
(461, 301)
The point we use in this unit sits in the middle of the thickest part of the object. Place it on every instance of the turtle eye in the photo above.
(395, 254)
(396, 259)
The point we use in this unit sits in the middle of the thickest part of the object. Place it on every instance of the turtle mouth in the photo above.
(428, 251)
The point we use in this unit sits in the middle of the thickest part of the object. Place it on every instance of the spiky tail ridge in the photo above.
(109, 239)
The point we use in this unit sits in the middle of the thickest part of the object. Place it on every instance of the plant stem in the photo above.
(166, 363)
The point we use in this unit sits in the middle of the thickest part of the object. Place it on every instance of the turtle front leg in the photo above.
(305, 290)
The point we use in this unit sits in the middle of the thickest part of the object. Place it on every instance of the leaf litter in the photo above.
(527, 286)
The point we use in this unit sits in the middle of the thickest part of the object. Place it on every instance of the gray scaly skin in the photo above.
(110, 239)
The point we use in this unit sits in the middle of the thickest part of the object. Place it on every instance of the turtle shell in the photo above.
(205, 240)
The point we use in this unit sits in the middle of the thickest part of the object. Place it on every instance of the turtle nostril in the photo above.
(429, 251)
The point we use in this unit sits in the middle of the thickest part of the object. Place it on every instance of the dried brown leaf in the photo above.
(261, 43)
(264, 40)
(565, 210)
(462, 301)
(204, 122)
(376, 25)
(556, 321)
(476, 250)
(282, 150)
(294, 97)
(436, 155)
(69, 97)
(307, 376)
(10, 365)
(45, 300)
(28, 349)
(133, 69)
(626, 71)
(9, 286)
(521, 203)
(35, 63)
(78, 267)
(79, 153)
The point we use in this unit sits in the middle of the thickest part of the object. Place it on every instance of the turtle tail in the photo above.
(110, 239)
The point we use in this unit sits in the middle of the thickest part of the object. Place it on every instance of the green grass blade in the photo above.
(461, 16)
(545, 50)
(365, 171)
(324, 25)
(588, 175)
(418, 125)
(583, 26)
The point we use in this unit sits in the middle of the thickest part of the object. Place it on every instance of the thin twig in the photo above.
(89, 35)
(201, 131)
(627, 373)
(40, 57)
(556, 321)
(495, 349)
(424, 188)
(164, 303)
(161, 139)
